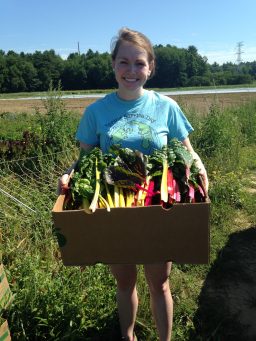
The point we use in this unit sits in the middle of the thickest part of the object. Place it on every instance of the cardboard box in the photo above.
(5, 332)
(6, 296)
(135, 235)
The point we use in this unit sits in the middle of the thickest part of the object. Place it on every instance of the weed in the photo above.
(53, 302)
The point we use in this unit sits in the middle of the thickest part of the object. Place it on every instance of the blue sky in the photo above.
(214, 27)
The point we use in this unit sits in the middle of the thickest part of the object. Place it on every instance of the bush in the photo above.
(246, 115)
(199, 81)
(50, 131)
(226, 189)
(57, 125)
(220, 138)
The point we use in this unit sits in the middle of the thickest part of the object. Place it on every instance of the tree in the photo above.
(49, 68)
(175, 67)
(99, 71)
(196, 65)
(3, 72)
(74, 75)
(14, 81)
(170, 67)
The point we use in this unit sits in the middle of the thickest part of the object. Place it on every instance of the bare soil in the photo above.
(199, 103)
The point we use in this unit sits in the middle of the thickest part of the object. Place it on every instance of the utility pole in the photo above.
(239, 52)
(78, 48)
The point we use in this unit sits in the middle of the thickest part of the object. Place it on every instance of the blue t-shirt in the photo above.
(145, 124)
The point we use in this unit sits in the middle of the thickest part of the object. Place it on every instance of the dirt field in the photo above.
(200, 103)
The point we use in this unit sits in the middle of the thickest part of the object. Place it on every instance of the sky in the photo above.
(214, 27)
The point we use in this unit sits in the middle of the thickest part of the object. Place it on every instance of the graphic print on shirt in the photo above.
(129, 130)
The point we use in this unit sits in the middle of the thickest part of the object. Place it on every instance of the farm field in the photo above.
(214, 302)
(200, 102)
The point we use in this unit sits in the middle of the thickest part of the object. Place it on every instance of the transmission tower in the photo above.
(239, 52)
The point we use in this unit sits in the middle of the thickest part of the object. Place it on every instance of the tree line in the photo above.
(176, 67)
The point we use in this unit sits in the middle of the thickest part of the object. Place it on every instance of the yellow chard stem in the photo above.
(116, 196)
(109, 198)
(164, 185)
(129, 198)
(93, 205)
(144, 193)
(104, 202)
(121, 197)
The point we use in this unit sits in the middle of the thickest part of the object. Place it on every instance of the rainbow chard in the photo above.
(86, 205)
(121, 197)
(104, 202)
(200, 194)
(130, 201)
(128, 178)
(85, 183)
(170, 186)
(176, 195)
(164, 185)
(150, 193)
(116, 196)
(125, 174)
(157, 167)
(108, 194)
(191, 193)
(95, 199)
(201, 190)
(145, 190)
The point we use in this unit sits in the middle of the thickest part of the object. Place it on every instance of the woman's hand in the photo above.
(199, 164)
(63, 184)
(202, 171)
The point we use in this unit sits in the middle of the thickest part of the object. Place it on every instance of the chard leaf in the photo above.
(182, 154)
(121, 177)
(132, 160)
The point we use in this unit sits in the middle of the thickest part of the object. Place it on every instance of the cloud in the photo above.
(228, 54)
(249, 54)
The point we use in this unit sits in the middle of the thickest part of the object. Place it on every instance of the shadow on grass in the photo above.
(227, 303)
(109, 331)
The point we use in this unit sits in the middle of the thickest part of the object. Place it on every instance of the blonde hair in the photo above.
(138, 39)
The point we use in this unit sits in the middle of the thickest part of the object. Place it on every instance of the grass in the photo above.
(52, 302)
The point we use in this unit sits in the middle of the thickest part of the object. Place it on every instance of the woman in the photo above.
(144, 120)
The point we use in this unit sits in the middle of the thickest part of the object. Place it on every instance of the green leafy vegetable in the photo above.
(125, 178)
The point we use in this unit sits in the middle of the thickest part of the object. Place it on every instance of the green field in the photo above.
(214, 302)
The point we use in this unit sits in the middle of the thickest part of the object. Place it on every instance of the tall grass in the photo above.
(53, 302)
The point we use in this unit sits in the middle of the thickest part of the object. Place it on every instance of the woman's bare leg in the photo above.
(127, 299)
(157, 276)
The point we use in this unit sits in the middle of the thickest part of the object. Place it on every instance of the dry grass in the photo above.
(30, 106)
(199, 103)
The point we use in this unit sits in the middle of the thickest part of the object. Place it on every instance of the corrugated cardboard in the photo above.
(6, 296)
(5, 332)
(135, 235)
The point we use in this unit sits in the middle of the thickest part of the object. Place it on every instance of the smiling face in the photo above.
(132, 69)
